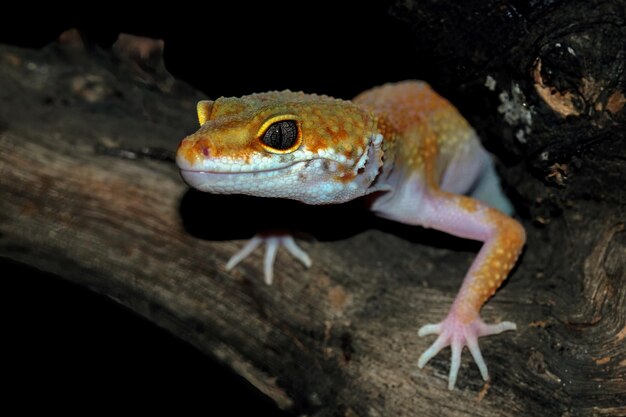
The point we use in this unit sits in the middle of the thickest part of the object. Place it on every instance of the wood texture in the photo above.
(339, 339)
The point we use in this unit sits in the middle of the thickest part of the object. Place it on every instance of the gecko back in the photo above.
(431, 137)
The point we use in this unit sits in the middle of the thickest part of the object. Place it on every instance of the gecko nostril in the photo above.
(205, 151)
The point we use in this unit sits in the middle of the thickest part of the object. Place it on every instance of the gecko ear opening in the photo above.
(204, 108)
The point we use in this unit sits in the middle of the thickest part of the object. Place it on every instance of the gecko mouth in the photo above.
(326, 163)
(235, 169)
(231, 181)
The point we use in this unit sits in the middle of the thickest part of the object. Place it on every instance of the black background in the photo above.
(339, 48)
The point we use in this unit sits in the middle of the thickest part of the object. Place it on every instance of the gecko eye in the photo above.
(281, 136)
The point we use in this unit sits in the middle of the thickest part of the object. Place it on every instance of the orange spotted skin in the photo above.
(402, 144)
(429, 133)
(493, 264)
(498, 260)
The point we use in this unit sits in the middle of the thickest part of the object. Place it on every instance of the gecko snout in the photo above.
(193, 150)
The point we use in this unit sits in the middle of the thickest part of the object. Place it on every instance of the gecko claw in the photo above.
(452, 332)
(273, 241)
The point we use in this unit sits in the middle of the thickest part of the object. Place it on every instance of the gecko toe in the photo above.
(472, 345)
(432, 351)
(296, 251)
(484, 329)
(455, 363)
(429, 329)
(249, 247)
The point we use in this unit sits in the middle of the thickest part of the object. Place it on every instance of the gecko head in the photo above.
(310, 148)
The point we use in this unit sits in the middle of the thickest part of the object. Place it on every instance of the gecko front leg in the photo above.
(468, 218)
(273, 240)
(503, 239)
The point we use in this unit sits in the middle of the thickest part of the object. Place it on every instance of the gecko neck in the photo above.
(386, 162)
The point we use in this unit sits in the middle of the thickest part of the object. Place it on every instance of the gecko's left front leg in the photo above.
(468, 218)
(503, 239)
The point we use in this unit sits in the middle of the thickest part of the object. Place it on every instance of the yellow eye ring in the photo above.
(281, 134)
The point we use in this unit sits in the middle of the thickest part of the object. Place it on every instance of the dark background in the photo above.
(339, 48)
(68, 349)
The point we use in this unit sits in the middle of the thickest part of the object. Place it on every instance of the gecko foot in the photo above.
(456, 334)
(273, 241)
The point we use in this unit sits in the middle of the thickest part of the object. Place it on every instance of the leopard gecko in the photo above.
(402, 144)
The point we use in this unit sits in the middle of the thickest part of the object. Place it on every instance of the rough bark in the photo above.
(339, 338)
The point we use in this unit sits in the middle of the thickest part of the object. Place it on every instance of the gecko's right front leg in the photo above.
(273, 240)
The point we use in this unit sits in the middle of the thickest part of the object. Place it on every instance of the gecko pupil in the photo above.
(281, 135)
